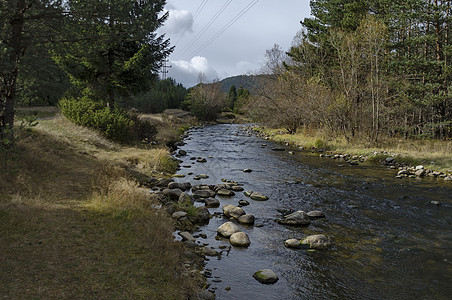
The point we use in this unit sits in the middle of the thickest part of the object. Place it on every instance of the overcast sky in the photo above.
(223, 38)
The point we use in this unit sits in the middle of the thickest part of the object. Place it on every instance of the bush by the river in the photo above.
(114, 123)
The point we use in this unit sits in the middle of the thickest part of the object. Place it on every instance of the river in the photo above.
(391, 242)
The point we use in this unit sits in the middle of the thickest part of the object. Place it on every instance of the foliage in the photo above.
(376, 68)
(205, 101)
(164, 94)
(114, 123)
(113, 52)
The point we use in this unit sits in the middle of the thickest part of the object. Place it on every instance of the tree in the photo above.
(232, 96)
(23, 23)
(206, 101)
(112, 47)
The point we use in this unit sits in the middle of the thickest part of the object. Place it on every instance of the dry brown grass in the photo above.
(73, 225)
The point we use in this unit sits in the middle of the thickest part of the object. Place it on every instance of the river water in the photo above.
(390, 241)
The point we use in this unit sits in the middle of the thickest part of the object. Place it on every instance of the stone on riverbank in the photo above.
(184, 197)
(179, 215)
(227, 229)
(233, 211)
(239, 239)
(182, 186)
(204, 193)
(186, 236)
(209, 251)
(266, 276)
(173, 194)
(318, 241)
(297, 218)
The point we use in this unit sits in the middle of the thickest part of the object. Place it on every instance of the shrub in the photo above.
(114, 123)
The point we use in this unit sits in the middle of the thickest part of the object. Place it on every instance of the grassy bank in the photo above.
(75, 224)
(433, 154)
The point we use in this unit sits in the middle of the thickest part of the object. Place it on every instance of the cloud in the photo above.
(187, 72)
(179, 21)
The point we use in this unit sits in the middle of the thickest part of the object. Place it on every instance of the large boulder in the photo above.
(318, 241)
(266, 276)
(227, 229)
(233, 211)
(296, 218)
(239, 239)
(173, 194)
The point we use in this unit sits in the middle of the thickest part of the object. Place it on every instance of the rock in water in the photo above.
(295, 218)
(212, 202)
(258, 196)
(316, 214)
(239, 239)
(225, 193)
(246, 219)
(292, 243)
(266, 276)
(233, 211)
(227, 229)
(318, 241)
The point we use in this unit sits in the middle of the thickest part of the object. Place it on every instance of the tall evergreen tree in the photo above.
(113, 47)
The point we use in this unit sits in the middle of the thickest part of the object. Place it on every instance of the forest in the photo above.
(357, 69)
(101, 55)
(364, 69)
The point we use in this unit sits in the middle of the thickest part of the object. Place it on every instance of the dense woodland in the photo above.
(357, 69)
(364, 69)
(104, 53)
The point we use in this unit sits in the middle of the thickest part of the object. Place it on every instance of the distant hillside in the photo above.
(249, 82)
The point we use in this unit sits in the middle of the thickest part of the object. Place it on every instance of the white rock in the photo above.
(233, 211)
(318, 241)
(227, 229)
(240, 239)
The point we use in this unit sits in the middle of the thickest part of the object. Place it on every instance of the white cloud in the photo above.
(179, 21)
(187, 72)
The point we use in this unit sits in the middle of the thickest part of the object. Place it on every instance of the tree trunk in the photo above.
(7, 115)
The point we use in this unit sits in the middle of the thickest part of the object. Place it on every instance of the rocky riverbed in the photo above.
(251, 210)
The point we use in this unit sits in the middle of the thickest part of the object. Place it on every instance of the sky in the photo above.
(224, 38)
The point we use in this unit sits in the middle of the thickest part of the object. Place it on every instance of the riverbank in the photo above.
(433, 155)
(75, 222)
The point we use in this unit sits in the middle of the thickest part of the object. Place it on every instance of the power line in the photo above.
(226, 27)
(198, 11)
(207, 26)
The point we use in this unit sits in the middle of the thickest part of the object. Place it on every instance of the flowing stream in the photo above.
(391, 242)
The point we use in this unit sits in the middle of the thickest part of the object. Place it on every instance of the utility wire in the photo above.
(226, 27)
(207, 26)
(198, 11)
